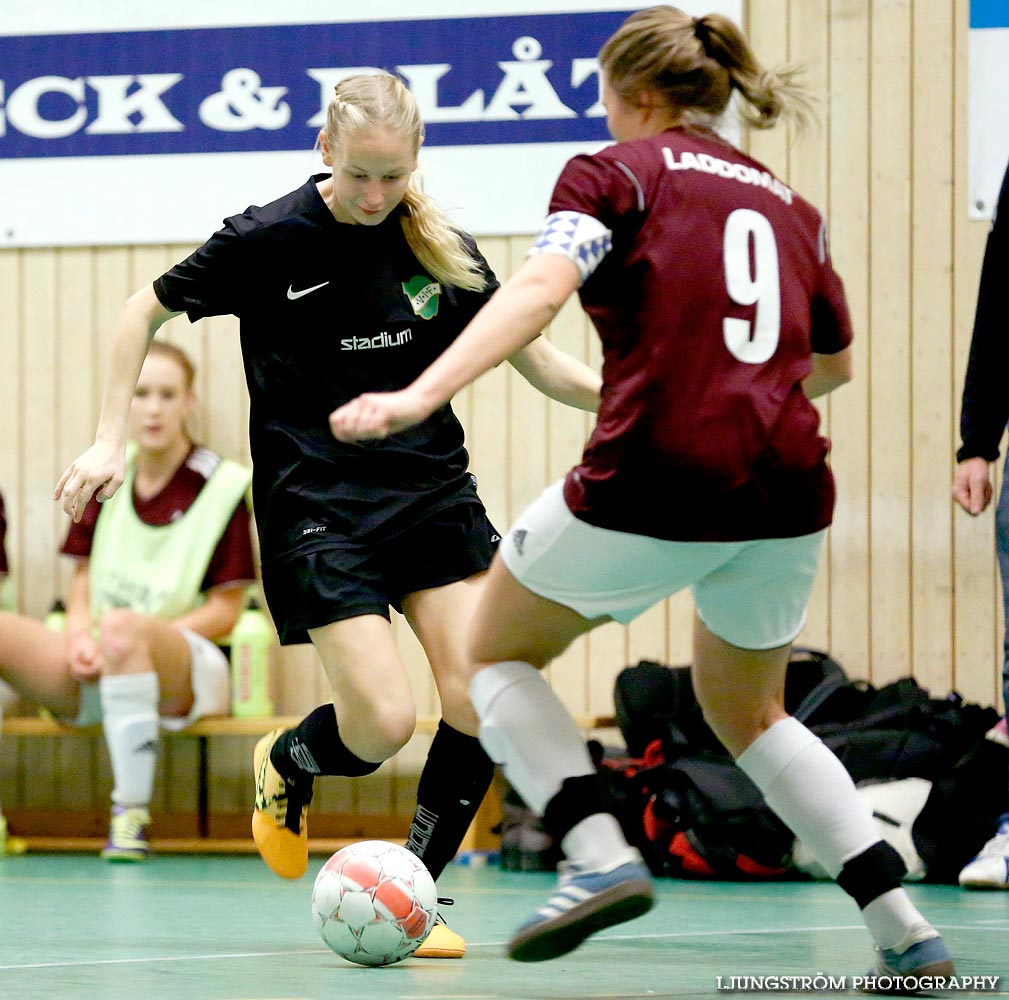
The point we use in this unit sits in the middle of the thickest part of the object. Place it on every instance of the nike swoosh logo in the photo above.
(292, 294)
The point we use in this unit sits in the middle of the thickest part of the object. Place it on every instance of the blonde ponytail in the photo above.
(436, 244)
(382, 101)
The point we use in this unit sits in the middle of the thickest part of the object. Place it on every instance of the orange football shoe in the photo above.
(280, 819)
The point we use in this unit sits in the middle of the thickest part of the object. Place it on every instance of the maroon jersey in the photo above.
(716, 292)
(3, 539)
(232, 560)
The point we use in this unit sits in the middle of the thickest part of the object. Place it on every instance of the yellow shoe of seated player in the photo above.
(441, 942)
(8, 844)
(280, 820)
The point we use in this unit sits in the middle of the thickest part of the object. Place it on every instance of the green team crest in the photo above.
(423, 294)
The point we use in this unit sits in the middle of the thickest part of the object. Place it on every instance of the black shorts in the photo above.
(334, 584)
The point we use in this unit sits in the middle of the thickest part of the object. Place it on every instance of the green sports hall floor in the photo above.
(225, 928)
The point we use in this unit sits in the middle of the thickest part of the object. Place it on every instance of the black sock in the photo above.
(455, 779)
(314, 747)
(867, 876)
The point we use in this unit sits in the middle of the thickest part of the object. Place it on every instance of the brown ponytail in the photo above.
(696, 64)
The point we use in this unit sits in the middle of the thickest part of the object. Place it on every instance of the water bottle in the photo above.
(252, 641)
(56, 619)
(8, 599)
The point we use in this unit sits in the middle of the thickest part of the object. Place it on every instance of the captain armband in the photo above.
(580, 238)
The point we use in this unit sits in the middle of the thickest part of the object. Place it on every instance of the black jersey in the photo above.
(329, 311)
(985, 404)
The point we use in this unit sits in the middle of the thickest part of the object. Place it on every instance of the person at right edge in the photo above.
(720, 314)
(984, 412)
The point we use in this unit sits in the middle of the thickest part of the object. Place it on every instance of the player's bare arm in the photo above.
(830, 372)
(99, 471)
(558, 375)
(217, 616)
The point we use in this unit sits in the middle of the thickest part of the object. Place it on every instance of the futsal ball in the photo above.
(374, 902)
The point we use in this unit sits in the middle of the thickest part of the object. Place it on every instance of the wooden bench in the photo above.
(205, 729)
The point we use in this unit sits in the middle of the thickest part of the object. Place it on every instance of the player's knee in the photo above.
(122, 635)
(392, 728)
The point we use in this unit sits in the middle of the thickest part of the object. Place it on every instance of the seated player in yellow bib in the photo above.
(160, 577)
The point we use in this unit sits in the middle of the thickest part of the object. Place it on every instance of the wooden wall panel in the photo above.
(10, 415)
(75, 390)
(907, 584)
(935, 398)
(846, 118)
(38, 472)
(887, 378)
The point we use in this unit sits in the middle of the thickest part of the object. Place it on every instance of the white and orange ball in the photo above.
(374, 902)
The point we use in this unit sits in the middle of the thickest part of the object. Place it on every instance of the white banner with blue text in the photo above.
(117, 127)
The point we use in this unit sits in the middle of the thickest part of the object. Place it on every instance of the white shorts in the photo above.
(210, 676)
(751, 594)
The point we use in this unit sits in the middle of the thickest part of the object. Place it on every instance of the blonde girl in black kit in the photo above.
(353, 282)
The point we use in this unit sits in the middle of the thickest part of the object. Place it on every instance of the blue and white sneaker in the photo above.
(586, 900)
(990, 869)
(898, 971)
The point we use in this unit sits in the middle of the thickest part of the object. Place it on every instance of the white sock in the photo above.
(598, 842)
(891, 917)
(526, 729)
(130, 721)
(812, 793)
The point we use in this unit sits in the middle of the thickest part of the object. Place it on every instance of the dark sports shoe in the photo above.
(280, 819)
(585, 901)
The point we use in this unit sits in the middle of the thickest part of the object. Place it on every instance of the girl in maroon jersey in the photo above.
(140, 647)
(710, 285)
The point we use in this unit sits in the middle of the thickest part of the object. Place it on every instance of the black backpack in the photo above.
(654, 701)
(683, 802)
